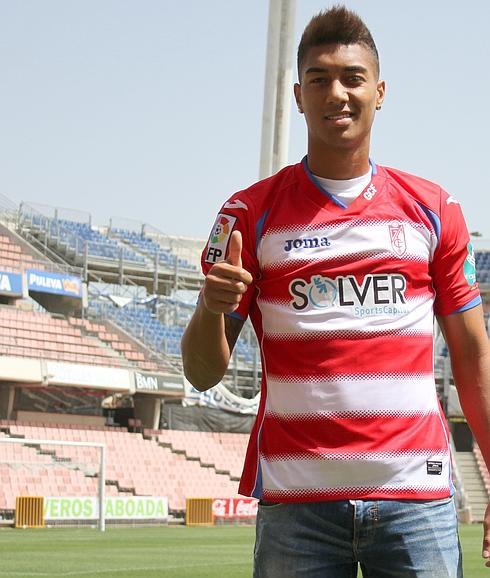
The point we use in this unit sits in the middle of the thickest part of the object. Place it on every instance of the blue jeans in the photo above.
(387, 538)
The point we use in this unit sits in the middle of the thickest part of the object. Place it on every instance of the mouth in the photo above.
(339, 116)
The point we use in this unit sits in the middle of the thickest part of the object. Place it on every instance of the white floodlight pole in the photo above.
(284, 87)
(277, 87)
(270, 87)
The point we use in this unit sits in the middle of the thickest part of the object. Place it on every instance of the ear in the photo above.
(297, 96)
(380, 93)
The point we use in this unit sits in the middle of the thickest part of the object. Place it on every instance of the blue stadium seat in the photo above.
(75, 235)
(138, 320)
(151, 248)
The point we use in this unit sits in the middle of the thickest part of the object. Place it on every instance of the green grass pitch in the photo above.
(170, 552)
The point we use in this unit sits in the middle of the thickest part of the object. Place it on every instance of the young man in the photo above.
(341, 265)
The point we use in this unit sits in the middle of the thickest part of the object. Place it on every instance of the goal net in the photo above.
(69, 475)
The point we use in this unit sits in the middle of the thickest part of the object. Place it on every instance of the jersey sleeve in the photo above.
(453, 265)
(235, 215)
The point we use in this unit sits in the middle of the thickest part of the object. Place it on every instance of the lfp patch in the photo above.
(218, 240)
(469, 268)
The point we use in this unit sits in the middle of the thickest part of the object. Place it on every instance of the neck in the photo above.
(338, 164)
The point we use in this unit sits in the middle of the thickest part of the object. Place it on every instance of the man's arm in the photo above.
(468, 345)
(207, 345)
(209, 339)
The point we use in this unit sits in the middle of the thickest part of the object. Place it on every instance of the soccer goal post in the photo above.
(23, 459)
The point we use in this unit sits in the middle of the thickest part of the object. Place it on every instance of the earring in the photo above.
(378, 107)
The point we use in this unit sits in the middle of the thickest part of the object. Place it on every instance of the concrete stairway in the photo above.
(473, 484)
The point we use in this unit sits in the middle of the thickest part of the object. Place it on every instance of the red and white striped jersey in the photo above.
(343, 304)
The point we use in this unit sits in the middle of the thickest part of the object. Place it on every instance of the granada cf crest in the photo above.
(397, 236)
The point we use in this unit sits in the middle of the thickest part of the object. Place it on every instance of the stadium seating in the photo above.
(483, 468)
(13, 258)
(74, 237)
(163, 463)
(176, 464)
(123, 346)
(39, 335)
(25, 471)
(482, 259)
(222, 450)
(139, 321)
(149, 247)
(10, 254)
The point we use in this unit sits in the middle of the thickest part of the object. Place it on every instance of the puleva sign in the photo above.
(87, 508)
(56, 283)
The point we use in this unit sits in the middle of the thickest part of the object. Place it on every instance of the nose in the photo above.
(337, 93)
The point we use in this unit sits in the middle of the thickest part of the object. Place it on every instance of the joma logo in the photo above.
(306, 243)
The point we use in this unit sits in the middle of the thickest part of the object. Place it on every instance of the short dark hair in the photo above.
(338, 25)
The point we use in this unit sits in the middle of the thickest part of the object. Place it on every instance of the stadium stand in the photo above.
(483, 470)
(17, 256)
(221, 450)
(74, 238)
(142, 322)
(40, 335)
(118, 340)
(11, 256)
(152, 249)
(162, 463)
(483, 266)
(109, 253)
(473, 483)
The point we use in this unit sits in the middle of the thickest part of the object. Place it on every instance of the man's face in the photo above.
(338, 93)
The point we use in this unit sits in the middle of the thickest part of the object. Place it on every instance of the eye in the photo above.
(318, 80)
(355, 79)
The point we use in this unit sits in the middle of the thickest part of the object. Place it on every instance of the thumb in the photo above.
(235, 249)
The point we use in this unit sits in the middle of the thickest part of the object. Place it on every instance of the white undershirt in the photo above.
(347, 190)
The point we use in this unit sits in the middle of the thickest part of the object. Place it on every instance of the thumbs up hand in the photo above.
(226, 281)
(235, 250)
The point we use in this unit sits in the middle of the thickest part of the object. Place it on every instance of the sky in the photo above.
(150, 111)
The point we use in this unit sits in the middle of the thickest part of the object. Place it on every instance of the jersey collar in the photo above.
(325, 194)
